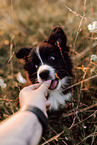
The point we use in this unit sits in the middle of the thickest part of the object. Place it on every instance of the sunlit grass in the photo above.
(27, 23)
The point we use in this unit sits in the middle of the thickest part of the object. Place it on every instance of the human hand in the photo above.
(34, 95)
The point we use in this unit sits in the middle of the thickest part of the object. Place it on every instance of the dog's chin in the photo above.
(54, 84)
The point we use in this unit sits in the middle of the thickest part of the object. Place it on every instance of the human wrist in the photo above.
(39, 114)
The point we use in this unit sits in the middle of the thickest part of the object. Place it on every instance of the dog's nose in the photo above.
(44, 75)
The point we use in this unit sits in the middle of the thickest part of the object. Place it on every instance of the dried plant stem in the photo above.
(79, 29)
(84, 52)
(53, 138)
(78, 15)
(56, 134)
(11, 46)
(91, 135)
(82, 82)
(80, 110)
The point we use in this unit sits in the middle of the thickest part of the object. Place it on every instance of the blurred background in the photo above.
(29, 22)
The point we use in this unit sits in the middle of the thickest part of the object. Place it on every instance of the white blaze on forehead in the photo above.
(38, 54)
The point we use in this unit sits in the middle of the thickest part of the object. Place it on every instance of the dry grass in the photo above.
(26, 23)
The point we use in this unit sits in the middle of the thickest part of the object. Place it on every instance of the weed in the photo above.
(26, 24)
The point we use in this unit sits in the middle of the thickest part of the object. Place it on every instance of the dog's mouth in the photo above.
(54, 84)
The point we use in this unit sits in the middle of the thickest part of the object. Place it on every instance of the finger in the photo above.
(36, 86)
(45, 86)
(32, 87)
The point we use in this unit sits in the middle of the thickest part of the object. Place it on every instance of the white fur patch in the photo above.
(61, 83)
(56, 99)
(38, 54)
(43, 68)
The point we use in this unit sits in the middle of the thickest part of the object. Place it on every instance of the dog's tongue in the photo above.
(53, 85)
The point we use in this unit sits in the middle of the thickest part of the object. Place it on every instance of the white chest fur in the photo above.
(56, 99)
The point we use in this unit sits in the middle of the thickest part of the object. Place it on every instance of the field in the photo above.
(29, 22)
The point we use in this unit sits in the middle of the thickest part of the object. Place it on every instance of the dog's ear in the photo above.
(57, 36)
(22, 53)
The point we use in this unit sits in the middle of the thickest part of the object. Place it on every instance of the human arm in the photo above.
(23, 127)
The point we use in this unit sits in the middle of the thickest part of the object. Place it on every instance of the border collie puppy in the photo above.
(50, 60)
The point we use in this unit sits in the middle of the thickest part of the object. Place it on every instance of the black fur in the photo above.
(48, 48)
(55, 47)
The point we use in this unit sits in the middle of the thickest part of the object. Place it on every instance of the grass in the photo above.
(28, 23)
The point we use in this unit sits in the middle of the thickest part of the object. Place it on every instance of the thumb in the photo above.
(43, 88)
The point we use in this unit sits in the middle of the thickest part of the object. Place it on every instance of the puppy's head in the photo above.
(49, 60)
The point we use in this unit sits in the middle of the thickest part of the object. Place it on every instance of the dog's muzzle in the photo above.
(45, 73)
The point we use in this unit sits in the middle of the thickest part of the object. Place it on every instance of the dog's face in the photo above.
(49, 60)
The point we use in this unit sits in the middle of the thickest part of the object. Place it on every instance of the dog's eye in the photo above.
(51, 58)
(36, 66)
